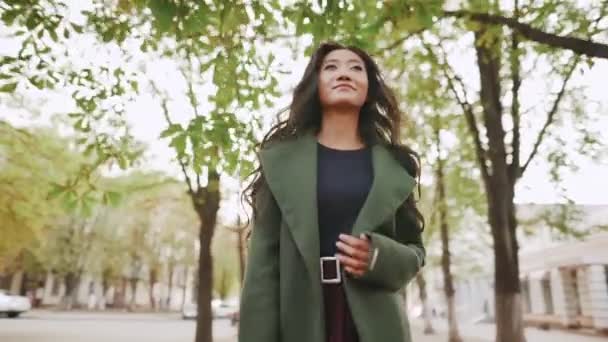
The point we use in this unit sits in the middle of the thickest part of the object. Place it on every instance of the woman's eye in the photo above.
(356, 67)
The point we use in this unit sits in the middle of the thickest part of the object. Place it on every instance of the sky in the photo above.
(589, 185)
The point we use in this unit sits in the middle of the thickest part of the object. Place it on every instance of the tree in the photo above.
(499, 158)
(212, 142)
(33, 160)
(210, 42)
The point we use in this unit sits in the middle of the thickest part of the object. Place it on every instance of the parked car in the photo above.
(219, 309)
(13, 306)
(189, 311)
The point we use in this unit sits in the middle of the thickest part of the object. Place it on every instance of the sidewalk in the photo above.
(484, 332)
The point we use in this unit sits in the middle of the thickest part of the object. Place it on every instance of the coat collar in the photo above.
(290, 169)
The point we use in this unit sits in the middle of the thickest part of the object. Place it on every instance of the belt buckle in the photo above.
(330, 270)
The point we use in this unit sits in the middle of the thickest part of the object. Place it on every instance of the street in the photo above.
(50, 326)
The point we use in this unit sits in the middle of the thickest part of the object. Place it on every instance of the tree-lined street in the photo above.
(128, 131)
(77, 326)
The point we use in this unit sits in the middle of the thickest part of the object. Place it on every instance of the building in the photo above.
(563, 261)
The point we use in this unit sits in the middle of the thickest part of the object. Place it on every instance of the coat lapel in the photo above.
(391, 186)
(290, 169)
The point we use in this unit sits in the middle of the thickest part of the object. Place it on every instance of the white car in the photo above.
(189, 311)
(219, 309)
(13, 306)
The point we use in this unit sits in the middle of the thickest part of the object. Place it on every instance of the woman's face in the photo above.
(342, 80)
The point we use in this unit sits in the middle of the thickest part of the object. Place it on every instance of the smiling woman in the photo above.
(336, 229)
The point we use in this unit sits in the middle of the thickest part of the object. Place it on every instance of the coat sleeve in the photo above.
(395, 261)
(259, 306)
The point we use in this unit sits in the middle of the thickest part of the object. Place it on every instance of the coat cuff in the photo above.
(392, 264)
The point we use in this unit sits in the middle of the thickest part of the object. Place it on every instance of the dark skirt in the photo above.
(339, 325)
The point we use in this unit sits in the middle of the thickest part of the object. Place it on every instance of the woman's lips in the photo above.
(344, 86)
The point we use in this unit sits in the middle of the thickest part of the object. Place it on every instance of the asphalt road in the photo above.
(48, 326)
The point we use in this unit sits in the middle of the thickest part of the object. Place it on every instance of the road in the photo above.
(48, 326)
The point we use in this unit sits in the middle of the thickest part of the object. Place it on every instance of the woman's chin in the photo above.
(344, 103)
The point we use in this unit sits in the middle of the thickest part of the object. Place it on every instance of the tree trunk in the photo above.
(16, 282)
(132, 303)
(119, 299)
(170, 289)
(153, 279)
(105, 286)
(185, 287)
(206, 203)
(426, 312)
(448, 286)
(242, 234)
(499, 191)
(69, 297)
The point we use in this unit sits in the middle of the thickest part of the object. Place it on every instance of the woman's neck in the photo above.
(340, 130)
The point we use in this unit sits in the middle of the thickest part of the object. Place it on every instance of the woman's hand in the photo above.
(355, 254)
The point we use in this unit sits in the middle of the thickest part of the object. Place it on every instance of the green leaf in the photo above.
(107, 36)
(134, 85)
(53, 34)
(171, 130)
(8, 88)
(77, 28)
(56, 190)
(9, 16)
(122, 162)
(179, 143)
(70, 200)
(163, 12)
(75, 115)
(113, 198)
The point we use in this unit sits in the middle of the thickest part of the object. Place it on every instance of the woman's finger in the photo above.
(351, 251)
(362, 244)
(352, 262)
(355, 272)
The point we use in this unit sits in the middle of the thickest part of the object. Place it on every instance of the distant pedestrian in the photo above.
(336, 230)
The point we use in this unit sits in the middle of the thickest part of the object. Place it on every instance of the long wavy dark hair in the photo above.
(379, 122)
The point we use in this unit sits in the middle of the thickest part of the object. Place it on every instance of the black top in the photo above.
(344, 178)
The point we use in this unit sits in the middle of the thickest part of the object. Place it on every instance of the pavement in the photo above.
(53, 326)
(485, 332)
(83, 326)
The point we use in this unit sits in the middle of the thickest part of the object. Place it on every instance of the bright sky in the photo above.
(588, 185)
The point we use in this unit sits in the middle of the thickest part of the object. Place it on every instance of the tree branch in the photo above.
(467, 109)
(164, 106)
(191, 94)
(577, 45)
(398, 42)
(515, 107)
(551, 114)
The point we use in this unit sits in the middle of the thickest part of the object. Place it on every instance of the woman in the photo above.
(336, 231)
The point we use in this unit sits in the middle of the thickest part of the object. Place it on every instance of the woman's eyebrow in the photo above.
(349, 61)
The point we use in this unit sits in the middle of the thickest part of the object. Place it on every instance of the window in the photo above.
(56, 285)
(525, 291)
(606, 275)
(547, 295)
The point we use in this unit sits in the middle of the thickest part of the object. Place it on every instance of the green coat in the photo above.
(282, 293)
